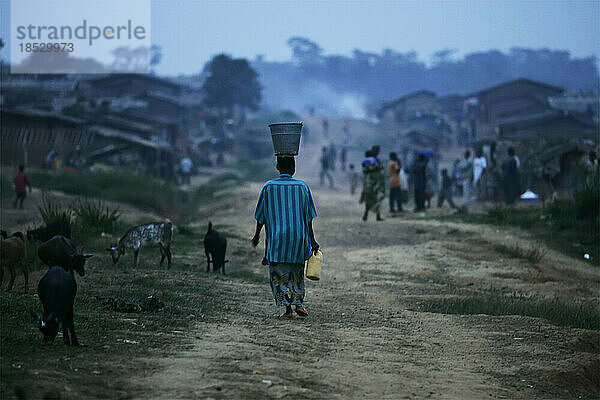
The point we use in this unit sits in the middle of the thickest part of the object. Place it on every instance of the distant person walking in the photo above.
(446, 190)
(353, 179)
(21, 182)
(419, 173)
(325, 167)
(332, 156)
(510, 177)
(325, 125)
(395, 185)
(286, 209)
(186, 165)
(457, 178)
(479, 171)
(343, 157)
(466, 171)
(373, 191)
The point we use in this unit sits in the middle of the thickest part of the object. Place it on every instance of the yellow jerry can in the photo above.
(313, 267)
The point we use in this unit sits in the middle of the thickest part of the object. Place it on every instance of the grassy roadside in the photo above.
(113, 342)
(584, 315)
(560, 224)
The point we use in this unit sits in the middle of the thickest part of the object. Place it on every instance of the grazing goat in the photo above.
(45, 233)
(153, 233)
(57, 290)
(215, 245)
(62, 252)
(12, 254)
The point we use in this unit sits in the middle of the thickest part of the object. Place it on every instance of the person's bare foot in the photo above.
(301, 311)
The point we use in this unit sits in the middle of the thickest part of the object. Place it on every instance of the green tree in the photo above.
(231, 83)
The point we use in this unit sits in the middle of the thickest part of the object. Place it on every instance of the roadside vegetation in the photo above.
(575, 314)
(114, 341)
(572, 227)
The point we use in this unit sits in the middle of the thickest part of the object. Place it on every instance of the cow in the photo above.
(62, 252)
(57, 290)
(215, 245)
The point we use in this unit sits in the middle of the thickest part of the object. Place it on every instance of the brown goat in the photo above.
(12, 254)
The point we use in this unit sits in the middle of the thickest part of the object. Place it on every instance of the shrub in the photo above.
(95, 216)
(52, 211)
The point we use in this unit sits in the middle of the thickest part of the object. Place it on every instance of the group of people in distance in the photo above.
(466, 179)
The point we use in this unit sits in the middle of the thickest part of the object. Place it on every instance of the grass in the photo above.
(533, 254)
(572, 227)
(189, 294)
(578, 314)
(141, 191)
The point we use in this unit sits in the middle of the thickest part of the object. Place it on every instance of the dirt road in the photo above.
(365, 337)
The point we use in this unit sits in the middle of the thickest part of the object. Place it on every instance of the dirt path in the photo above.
(363, 341)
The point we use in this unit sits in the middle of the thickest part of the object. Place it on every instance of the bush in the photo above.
(52, 211)
(95, 216)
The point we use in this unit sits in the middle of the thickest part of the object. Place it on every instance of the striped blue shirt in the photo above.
(285, 207)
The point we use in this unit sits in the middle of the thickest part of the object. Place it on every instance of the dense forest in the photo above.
(343, 85)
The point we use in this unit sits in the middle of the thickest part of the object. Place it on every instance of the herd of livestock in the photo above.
(57, 288)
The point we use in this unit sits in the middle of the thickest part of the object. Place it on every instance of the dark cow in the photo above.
(61, 227)
(62, 252)
(215, 246)
(57, 290)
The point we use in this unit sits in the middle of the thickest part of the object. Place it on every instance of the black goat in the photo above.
(215, 245)
(57, 290)
(61, 227)
(62, 252)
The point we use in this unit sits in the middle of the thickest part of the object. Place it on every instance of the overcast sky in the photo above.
(192, 31)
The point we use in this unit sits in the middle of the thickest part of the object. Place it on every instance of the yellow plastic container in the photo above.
(313, 267)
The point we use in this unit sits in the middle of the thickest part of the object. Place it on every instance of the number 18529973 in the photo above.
(46, 47)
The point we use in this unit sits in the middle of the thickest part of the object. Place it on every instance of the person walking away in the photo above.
(325, 167)
(403, 185)
(286, 209)
(457, 178)
(394, 180)
(374, 183)
(343, 156)
(21, 182)
(510, 177)
(332, 156)
(185, 166)
(353, 178)
(466, 171)
(419, 181)
(446, 190)
(325, 125)
(479, 170)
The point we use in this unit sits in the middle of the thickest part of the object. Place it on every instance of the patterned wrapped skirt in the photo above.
(287, 283)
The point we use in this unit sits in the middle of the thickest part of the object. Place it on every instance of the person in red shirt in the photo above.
(21, 182)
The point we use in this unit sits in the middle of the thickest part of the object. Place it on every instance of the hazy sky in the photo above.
(192, 31)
